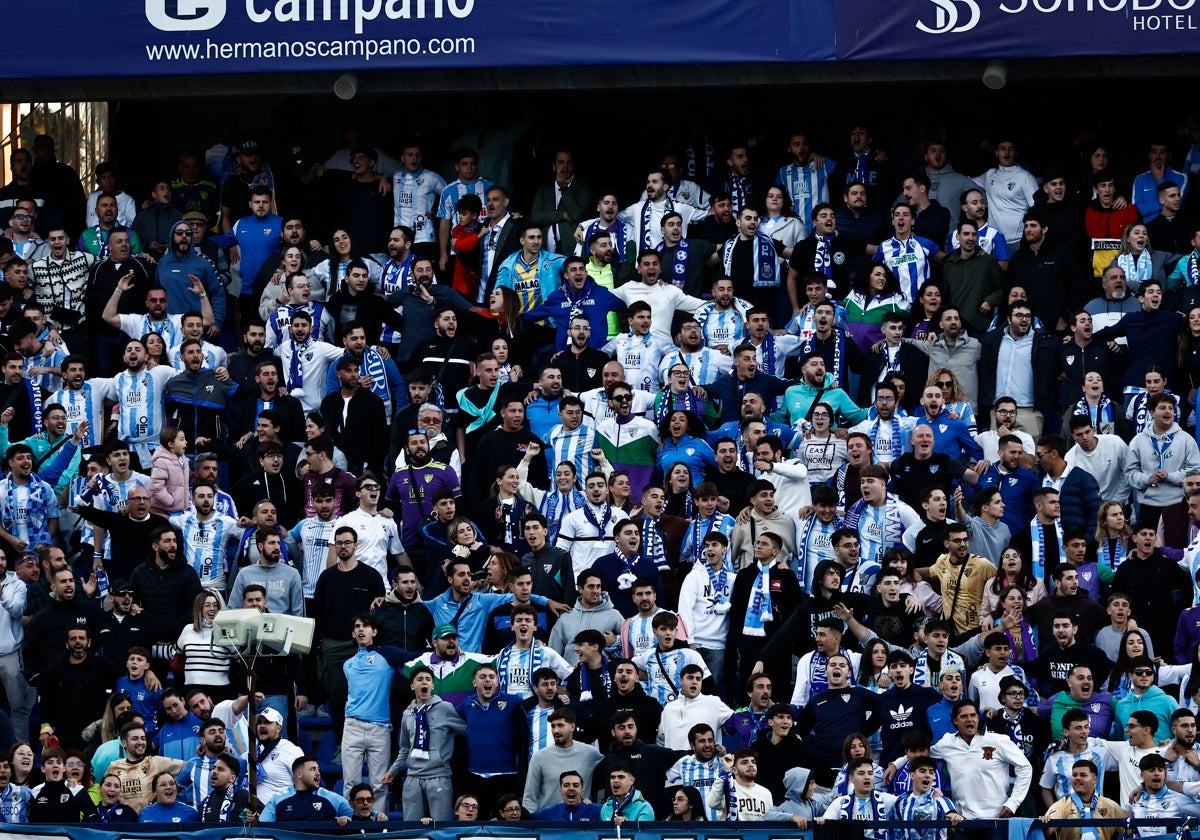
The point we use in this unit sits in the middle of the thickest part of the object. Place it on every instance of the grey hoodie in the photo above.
(794, 804)
(1179, 456)
(603, 617)
(444, 723)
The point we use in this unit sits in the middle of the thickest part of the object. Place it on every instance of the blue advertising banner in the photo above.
(171, 37)
(982, 29)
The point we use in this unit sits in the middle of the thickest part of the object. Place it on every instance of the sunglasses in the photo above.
(622, 398)
(944, 384)
(1143, 672)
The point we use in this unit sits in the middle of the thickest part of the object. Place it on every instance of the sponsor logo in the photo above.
(185, 15)
(951, 16)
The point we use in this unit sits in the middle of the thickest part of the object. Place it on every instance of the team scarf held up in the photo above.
(669, 402)
(809, 345)
(923, 676)
(618, 237)
(893, 528)
(1038, 533)
(897, 447)
(556, 504)
(731, 803)
(679, 262)
(758, 612)
(766, 261)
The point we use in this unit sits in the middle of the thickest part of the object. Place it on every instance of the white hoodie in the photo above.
(12, 607)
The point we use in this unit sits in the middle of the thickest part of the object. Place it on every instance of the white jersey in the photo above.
(214, 357)
(415, 195)
(645, 218)
(595, 404)
(86, 404)
(1010, 192)
(641, 355)
(514, 667)
(706, 365)
(279, 324)
(170, 328)
(46, 382)
(663, 671)
(723, 326)
(378, 536)
(140, 399)
(305, 369)
(314, 536)
(204, 544)
(584, 541)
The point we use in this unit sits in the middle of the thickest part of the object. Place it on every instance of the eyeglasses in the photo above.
(1016, 692)
(958, 539)
(78, 764)
(1143, 672)
(344, 543)
(1005, 411)
(945, 384)
(470, 806)
(511, 809)
(364, 799)
(817, 414)
(278, 455)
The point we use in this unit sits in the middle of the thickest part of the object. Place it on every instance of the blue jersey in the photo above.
(910, 260)
(807, 186)
(922, 807)
(455, 191)
(991, 241)
(258, 240)
(370, 671)
(692, 772)
(538, 720)
(195, 781)
(14, 804)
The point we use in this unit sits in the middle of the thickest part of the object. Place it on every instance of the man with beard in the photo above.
(198, 780)
(357, 301)
(165, 586)
(355, 419)
(404, 620)
(780, 747)
(578, 296)
(953, 350)
(805, 179)
(264, 394)
(59, 280)
(117, 265)
(412, 489)
(831, 716)
(243, 365)
(625, 696)
(189, 279)
(450, 356)
(74, 690)
(137, 768)
(421, 298)
(648, 761)
(646, 216)
(581, 363)
(206, 534)
(273, 754)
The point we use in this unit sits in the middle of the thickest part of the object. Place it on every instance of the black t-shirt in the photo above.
(930, 544)
(910, 476)
(846, 255)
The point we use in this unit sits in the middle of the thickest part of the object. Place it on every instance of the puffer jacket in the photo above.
(169, 477)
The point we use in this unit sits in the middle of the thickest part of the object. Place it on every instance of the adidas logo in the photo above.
(902, 713)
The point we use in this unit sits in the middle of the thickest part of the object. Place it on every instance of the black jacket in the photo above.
(407, 626)
(363, 435)
(130, 539)
(648, 761)
(166, 595)
(1044, 360)
(46, 633)
(597, 726)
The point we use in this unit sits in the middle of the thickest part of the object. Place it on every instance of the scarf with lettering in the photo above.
(1038, 532)
(644, 232)
(679, 262)
(1012, 728)
(1102, 415)
(739, 191)
(653, 546)
(758, 612)
(701, 529)
(535, 655)
(923, 676)
(1192, 271)
(1137, 269)
(372, 365)
(769, 359)
(422, 736)
(821, 260)
(1027, 643)
(818, 678)
(719, 581)
(802, 545)
(618, 237)
(893, 527)
(766, 261)
(896, 449)
(850, 805)
(295, 367)
(585, 680)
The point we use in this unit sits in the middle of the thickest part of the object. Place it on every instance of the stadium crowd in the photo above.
(820, 492)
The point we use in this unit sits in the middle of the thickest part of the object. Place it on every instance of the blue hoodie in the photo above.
(172, 275)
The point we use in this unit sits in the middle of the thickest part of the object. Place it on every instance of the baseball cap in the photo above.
(246, 147)
(347, 361)
(271, 715)
(445, 631)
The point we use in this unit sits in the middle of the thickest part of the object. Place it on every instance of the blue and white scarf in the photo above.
(555, 505)
(645, 235)
(766, 261)
(1038, 533)
(1112, 553)
(295, 379)
(923, 676)
(585, 680)
(619, 805)
(758, 612)
(769, 357)
(1137, 269)
(731, 803)
(719, 581)
(739, 191)
(679, 262)
(1102, 415)
(700, 528)
(1192, 269)
(652, 544)
(618, 237)
(422, 735)
(806, 565)
(893, 529)
(818, 676)
(849, 807)
(821, 259)
(668, 402)
(534, 657)
(896, 447)
(809, 345)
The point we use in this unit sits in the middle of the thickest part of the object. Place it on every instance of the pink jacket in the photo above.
(169, 477)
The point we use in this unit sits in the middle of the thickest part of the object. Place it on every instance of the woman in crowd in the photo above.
(822, 451)
(682, 436)
(956, 402)
(922, 316)
(901, 560)
(873, 296)
(502, 349)
(686, 805)
(1015, 570)
(620, 492)
(1112, 535)
(328, 275)
(779, 222)
(1022, 638)
(1138, 260)
(679, 491)
(205, 666)
(314, 425)
(156, 350)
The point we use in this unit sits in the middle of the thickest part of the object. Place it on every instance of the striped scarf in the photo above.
(534, 656)
(896, 446)
(41, 501)
(893, 529)
(549, 508)
(924, 676)
(766, 261)
(1038, 543)
(679, 262)
(618, 237)
(1102, 415)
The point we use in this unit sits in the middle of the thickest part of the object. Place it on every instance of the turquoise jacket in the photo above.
(798, 398)
(636, 811)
